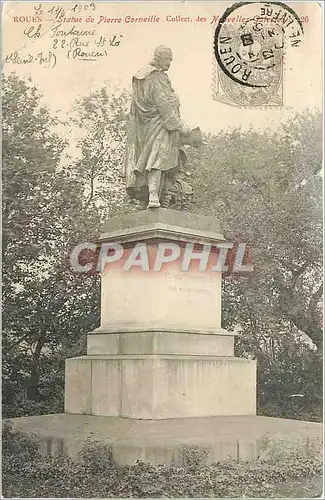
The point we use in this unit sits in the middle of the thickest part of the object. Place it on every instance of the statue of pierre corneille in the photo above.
(157, 134)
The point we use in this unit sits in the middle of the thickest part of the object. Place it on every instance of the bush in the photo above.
(27, 474)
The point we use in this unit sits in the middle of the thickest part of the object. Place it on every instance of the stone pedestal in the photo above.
(161, 360)
(167, 441)
(160, 386)
(160, 351)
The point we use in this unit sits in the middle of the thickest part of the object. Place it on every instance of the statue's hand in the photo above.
(185, 130)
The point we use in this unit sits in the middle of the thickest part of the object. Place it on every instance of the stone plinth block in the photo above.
(160, 386)
(141, 289)
(167, 442)
(172, 298)
(168, 224)
(221, 343)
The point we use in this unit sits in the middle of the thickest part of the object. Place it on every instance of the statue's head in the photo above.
(162, 57)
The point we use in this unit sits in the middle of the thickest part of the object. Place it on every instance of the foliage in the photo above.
(94, 475)
(47, 308)
(290, 383)
(266, 189)
(100, 120)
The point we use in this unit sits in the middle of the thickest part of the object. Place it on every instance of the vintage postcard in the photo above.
(162, 249)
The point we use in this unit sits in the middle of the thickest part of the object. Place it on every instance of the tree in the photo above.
(101, 122)
(267, 191)
(47, 308)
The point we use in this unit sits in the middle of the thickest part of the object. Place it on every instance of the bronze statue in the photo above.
(157, 134)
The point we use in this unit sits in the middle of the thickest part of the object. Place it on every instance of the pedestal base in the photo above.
(167, 441)
(218, 342)
(160, 386)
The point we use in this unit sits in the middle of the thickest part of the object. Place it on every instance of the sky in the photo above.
(193, 63)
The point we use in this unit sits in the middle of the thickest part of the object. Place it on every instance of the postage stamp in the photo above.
(250, 41)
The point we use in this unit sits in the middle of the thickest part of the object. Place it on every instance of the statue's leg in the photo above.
(154, 177)
(166, 199)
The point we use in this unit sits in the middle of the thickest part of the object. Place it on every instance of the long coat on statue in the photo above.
(153, 135)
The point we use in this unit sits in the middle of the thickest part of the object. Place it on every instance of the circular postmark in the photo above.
(249, 43)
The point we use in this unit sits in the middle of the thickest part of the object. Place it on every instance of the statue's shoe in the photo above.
(154, 204)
